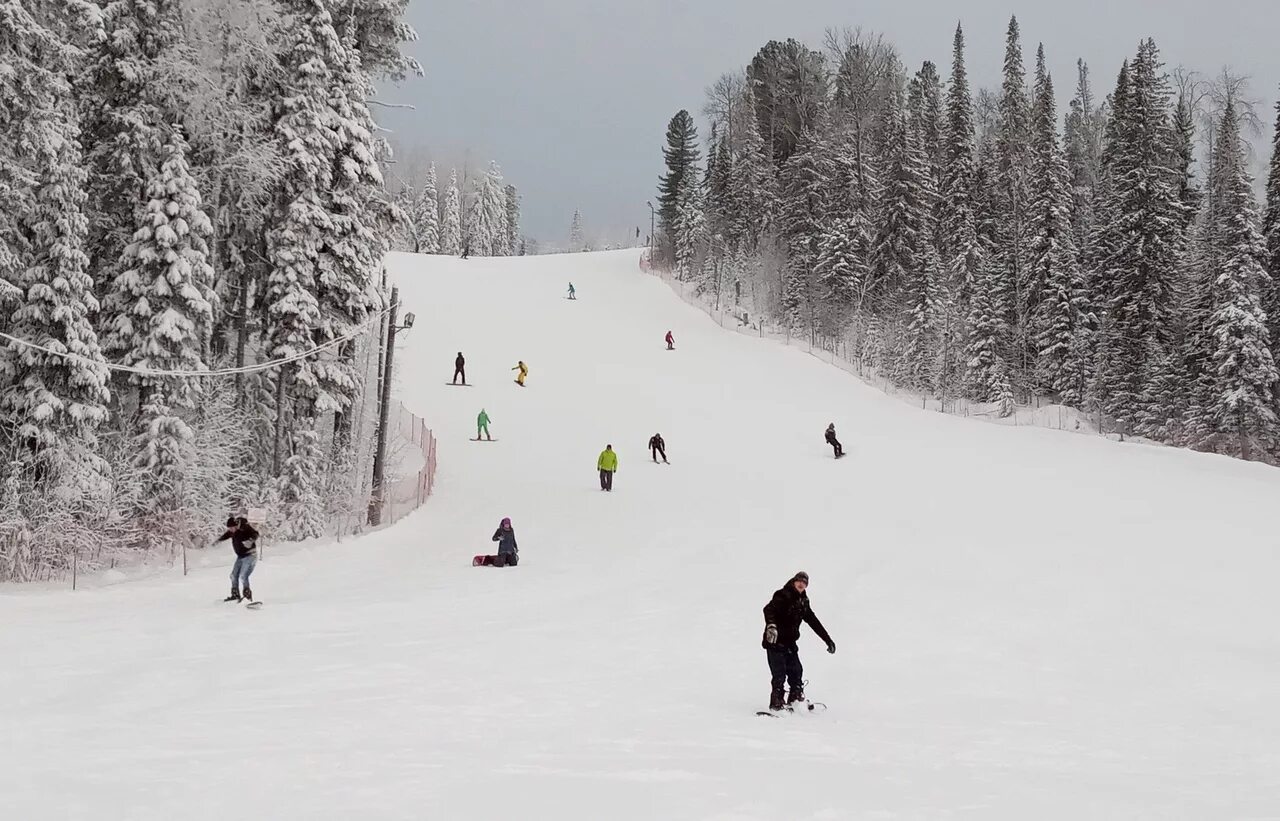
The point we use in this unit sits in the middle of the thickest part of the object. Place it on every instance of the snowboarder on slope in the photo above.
(572, 292)
(658, 448)
(833, 441)
(671, 341)
(607, 464)
(508, 550)
(244, 540)
(482, 425)
(783, 615)
(524, 371)
(466, 250)
(460, 369)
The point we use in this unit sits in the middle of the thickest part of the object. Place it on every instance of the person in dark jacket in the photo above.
(460, 369)
(658, 448)
(508, 550)
(833, 441)
(244, 540)
(783, 616)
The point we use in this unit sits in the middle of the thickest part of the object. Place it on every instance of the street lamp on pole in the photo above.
(651, 225)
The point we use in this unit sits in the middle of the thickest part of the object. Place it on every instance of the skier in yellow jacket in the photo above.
(607, 464)
(524, 371)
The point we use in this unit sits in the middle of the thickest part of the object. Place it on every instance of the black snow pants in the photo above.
(836, 446)
(460, 371)
(785, 667)
(606, 480)
(659, 452)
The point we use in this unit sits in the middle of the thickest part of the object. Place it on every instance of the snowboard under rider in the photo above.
(833, 441)
(482, 425)
(524, 371)
(783, 615)
(657, 447)
(244, 540)
(607, 464)
(460, 369)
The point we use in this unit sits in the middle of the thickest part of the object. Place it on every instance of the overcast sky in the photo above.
(572, 97)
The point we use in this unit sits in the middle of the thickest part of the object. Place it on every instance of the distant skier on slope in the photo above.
(671, 341)
(466, 250)
(783, 616)
(244, 540)
(482, 425)
(508, 551)
(607, 464)
(460, 369)
(572, 293)
(658, 448)
(833, 441)
(524, 371)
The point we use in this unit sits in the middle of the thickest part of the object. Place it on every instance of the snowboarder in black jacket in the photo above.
(244, 540)
(658, 448)
(833, 441)
(508, 550)
(460, 369)
(782, 616)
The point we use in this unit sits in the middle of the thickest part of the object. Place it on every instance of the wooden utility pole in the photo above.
(384, 411)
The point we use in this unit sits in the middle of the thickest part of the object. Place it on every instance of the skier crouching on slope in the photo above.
(783, 615)
(244, 539)
(524, 371)
(671, 341)
(508, 550)
(572, 292)
(657, 447)
(833, 441)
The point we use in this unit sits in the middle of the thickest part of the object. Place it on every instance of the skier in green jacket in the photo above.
(482, 424)
(608, 465)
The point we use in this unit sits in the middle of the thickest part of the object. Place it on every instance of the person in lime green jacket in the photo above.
(608, 465)
(482, 424)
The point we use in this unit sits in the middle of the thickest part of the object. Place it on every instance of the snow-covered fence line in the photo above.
(842, 352)
(416, 476)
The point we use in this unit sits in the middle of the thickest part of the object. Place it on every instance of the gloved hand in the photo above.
(771, 634)
(831, 646)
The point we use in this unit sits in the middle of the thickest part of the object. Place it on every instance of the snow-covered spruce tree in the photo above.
(425, 217)
(51, 405)
(451, 224)
(487, 230)
(753, 192)
(301, 474)
(1011, 201)
(804, 210)
(918, 362)
(577, 241)
(165, 291)
(134, 96)
(1082, 137)
(1055, 285)
(986, 372)
(961, 253)
(1142, 239)
(376, 30)
(844, 247)
(689, 229)
(1271, 235)
(1244, 406)
(681, 157)
(512, 207)
(924, 106)
(906, 210)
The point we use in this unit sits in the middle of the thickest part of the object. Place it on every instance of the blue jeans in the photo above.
(241, 570)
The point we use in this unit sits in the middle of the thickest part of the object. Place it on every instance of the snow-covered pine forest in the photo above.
(186, 187)
(976, 244)
(434, 208)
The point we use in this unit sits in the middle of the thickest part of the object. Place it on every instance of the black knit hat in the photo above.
(232, 522)
(801, 577)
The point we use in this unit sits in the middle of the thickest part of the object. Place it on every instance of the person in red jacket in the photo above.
(671, 341)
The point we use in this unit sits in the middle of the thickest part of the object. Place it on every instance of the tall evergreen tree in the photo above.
(905, 218)
(488, 234)
(804, 208)
(577, 241)
(958, 219)
(425, 216)
(1011, 200)
(681, 156)
(1271, 235)
(512, 208)
(752, 185)
(451, 224)
(1244, 404)
(1083, 140)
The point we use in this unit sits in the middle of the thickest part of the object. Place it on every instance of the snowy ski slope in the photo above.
(1031, 625)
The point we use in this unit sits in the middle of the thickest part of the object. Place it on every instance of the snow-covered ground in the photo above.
(1030, 624)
